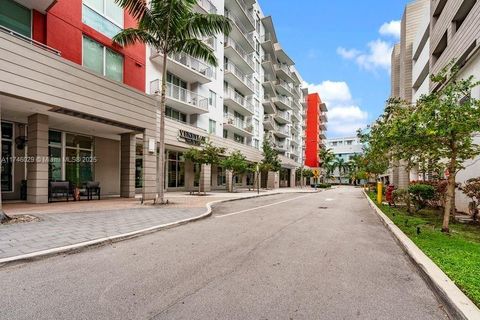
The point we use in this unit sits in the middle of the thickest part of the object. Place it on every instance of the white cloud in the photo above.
(345, 116)
(391, 29)
(377, 56)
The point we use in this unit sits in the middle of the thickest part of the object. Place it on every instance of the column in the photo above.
(229, 175)
(37, 170)
(293, 180)
(127, 165)
(206, 178)
(273, 181)
(149, 189)
(214, 174)
(403, 176)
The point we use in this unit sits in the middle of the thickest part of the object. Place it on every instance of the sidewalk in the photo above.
(66, 226)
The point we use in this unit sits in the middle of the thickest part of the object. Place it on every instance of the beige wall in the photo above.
(107, 166)
(395, 72)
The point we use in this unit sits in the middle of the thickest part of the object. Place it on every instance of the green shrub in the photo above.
(421, 194)
(400, 196)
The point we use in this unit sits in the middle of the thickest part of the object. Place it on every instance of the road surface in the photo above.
(296, 256)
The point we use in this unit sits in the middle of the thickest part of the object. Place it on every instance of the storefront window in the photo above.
(175, 170)
(7, 154)
(221, 177)
(139, 166)
(79, 160)
(55, 155)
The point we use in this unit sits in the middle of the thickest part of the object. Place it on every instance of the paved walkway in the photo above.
(65, 224)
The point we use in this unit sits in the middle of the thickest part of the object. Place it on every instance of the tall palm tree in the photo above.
(327, 158)
(341, 165)
(170, 27)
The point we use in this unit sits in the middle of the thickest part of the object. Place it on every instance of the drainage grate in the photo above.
(322, 208)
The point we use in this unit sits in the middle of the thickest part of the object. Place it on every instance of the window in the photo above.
(256, 127)
(176, 169)
(175, 114)
(221, 177)
(462, 13)
(105, 16)
(349, 142)
(225, 134)
(442, 45)
(238, 138)
(212, 126)
(55, 155)
(256, 143)
(212, 99)
(173, 79)
(79, 159)
(438, 10)
(16, 17)
(102, 60)
(7, 155)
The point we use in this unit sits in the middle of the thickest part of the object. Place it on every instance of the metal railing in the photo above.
(238, 123)
(233, 95)
(230, 67)
(283, 115)
(244, 8)
(193, 64)
(181, 94)
(243, 30)
(229, 42)
(207, 5)
(30, 41)
(287, 86)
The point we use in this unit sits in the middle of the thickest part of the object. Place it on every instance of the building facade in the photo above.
(75, 107)
(315, 131)
(445, 30)
(344, 148)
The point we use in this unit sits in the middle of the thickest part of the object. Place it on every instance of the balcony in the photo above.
(284, 88)
(39, 5)
(282, 117)
(323, 117)
(242, 14)
(282, 55)
(267, 41)
(235, 52)
(236, 102)
(238, 79)
(269, 105)
(280, 146)
(181, 99)
(237, 126)
(268, 123)
(322, 135)
(282, 102)
(269, 86)
(240, 33)
(186, 67)
(323, 107)
(268, 65)
(206, 6)
(282, 131)
(296, 116)
(283, 72)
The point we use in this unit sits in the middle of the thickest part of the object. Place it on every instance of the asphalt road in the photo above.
(297, 256)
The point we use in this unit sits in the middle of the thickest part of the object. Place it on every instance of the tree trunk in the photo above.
(450, 196)
(161, 155)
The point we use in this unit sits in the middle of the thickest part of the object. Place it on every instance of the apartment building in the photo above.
(72, 104)
(344, 148)
(444, 30)
(406, 73)
(254, 94)
(316, 128)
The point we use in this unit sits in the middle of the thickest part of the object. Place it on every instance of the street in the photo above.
(296, 256)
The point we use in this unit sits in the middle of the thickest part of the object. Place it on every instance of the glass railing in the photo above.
(229, 42)
(238, 123)
(207, 5)
(230, 67)
(193, 64)
(240, 26)
(181, 94)
(244, 8)
(29, 40)
(287, 86)
(283, 114)
(284, 100)
(232, 94)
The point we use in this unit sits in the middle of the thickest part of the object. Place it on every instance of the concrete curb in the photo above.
(458, 305)
(125, 236)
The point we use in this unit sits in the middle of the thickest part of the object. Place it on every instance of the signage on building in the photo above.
(191, 138)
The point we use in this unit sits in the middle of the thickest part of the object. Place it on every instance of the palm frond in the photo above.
(131, 36)
(207, 25)
(197, 49)
(136, 8)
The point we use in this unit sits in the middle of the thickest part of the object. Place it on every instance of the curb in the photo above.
(130, 235)
(458, 305)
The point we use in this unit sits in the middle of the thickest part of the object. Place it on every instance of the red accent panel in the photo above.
(39, 27)
(313, 130)
(65, 30)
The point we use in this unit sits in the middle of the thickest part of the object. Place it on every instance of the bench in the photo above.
(58, 189)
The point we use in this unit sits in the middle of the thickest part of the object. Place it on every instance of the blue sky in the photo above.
(342, 49)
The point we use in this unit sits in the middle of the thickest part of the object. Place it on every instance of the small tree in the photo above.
(471, 188)
(327, 158)
(207, 154)
(270, 160)
(450, 117)
(237, 163)
(342, 167)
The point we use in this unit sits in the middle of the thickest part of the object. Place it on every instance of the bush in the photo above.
(322, 185)
(421, 194)
(400, 196)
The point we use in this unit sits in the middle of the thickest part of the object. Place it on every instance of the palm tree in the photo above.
(170, 27)
(326, 160)
(341, 165)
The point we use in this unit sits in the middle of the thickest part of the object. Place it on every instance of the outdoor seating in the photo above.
(92, 189)
(58, 190)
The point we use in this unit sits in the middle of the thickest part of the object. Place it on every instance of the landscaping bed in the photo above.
(456, 253)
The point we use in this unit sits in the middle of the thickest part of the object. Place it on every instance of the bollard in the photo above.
(379, 192)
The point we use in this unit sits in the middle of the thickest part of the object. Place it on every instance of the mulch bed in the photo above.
(24, 218)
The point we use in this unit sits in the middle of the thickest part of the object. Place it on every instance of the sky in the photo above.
(342, 50)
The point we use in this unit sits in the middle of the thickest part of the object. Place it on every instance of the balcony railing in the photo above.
(210, 42)
(237, 47)
(284, 115)
(283, 130)
(238, 123)
(30, 40)
(284, 68)
(181, 94)
(193, 64)
(230, 67)
(207, 5)
(284, 100)
(240, 26)
(266, 37)
(287, 86)
(232, 94)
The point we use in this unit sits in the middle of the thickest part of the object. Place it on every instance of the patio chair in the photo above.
(93, 189)
(58, 189)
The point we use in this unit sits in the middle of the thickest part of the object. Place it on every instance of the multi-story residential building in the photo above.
(253, 95)
(315, 130)
(406, 77)
(72, 104)
(444, 30)
(344, 148)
